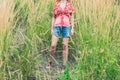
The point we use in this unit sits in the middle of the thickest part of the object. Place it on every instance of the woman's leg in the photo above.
(65, 50)
(53, 47)
(52, 50)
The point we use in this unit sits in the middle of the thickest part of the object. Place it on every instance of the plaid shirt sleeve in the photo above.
(54, 12)
(71, 8)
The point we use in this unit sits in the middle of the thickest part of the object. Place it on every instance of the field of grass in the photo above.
(25, 38)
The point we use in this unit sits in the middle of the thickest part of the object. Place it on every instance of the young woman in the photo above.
(62, 24)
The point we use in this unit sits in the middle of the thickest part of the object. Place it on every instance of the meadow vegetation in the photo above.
(25, 38)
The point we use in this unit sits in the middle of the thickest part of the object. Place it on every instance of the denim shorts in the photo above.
(61, 30)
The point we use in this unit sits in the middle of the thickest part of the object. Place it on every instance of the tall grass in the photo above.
(25, 36)
(97, 33)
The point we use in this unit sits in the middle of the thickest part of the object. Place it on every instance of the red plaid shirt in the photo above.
(62, 16)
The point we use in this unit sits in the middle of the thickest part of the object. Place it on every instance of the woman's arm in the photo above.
(72, 24)
(53, 21)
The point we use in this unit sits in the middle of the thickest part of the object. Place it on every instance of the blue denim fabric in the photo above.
(61, 30)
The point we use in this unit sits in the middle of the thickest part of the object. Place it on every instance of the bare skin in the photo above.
(64, 41)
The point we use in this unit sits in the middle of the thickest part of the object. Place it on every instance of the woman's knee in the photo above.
(52, 47)
(65, 46)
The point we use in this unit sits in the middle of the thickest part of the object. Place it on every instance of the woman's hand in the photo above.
(72, 31)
